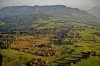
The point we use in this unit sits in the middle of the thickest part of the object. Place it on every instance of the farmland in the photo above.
(52, 43)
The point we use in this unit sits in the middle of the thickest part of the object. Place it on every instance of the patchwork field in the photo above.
(75, 44)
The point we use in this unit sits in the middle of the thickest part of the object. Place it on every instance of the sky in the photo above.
(82, 4)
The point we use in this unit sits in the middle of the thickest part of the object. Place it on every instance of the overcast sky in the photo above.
(82, 4)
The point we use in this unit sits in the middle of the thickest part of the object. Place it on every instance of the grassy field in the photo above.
(15, 58)
(92, 61)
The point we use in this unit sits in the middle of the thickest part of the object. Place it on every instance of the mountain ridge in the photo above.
(18, 10)
(95, 11)
(53, 10)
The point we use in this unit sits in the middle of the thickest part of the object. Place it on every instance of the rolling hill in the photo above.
(24, 16)
(95, 11)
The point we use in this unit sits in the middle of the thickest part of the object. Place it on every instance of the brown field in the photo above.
(37, 46)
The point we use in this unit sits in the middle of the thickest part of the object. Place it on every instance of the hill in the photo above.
(95, 11)
(24, 16)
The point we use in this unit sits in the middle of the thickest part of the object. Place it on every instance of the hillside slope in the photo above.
(95, 11)
(24, 15)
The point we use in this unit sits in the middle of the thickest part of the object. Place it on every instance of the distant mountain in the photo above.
(55, 10)
(29, 13)
(95, 11)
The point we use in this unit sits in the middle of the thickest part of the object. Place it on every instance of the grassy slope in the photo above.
(92, 61)
(15, 58)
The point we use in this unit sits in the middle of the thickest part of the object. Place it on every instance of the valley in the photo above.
(59, 39)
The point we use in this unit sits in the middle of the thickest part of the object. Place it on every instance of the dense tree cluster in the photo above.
(37, 62)
(6, 40)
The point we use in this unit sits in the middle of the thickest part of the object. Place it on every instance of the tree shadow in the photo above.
(1, 60)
